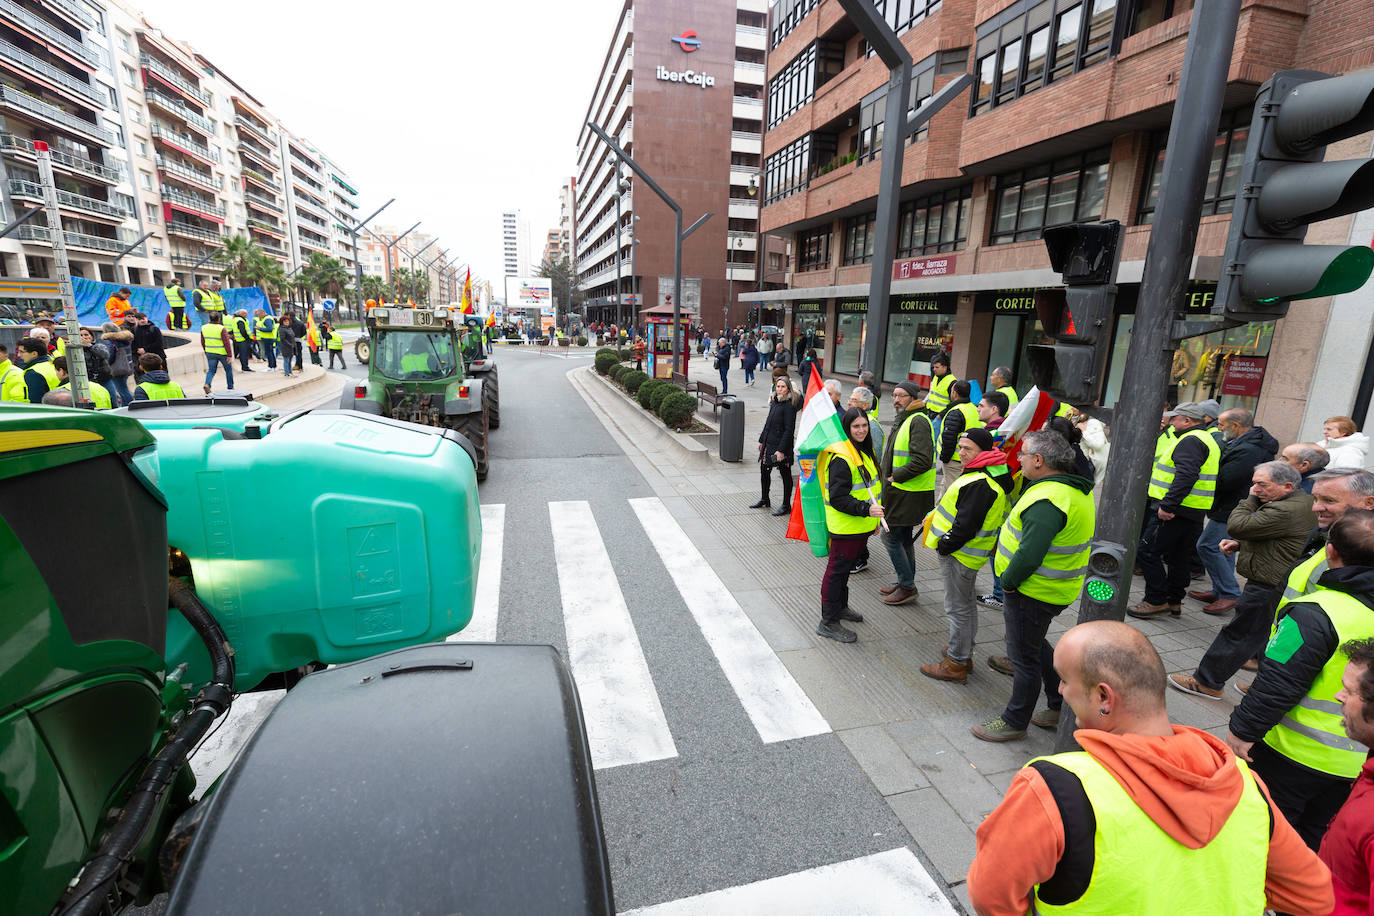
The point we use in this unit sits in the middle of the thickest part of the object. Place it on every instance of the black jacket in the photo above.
(778, 429)
(951, 428)
(98, 361)
(1281, 684)
(148, 338)
(971, 509)
(1238, 459)
(1189, 454)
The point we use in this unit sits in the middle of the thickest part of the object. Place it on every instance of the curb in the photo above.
(294, 387)
(682, 450)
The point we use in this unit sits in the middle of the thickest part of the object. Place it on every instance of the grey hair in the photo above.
(832, 384)
(864, 395)
(1239, 416)
(1281, 472)
(1315, 456)
(1356, 480)
(60, 397)
(1051, 446)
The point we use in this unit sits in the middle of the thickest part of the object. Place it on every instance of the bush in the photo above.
(633, 379)
(678, 408)
(646, 392)
(611, 350)
(617, 371)
(659, 394)
(604, 362)
(581, 341)
(626, 355)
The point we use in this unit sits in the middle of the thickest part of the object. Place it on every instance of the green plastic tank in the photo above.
(236, 414)
(336, 536)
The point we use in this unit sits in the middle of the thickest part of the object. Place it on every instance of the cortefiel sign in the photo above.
(704, 80)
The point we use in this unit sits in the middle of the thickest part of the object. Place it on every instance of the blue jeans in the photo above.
(121, 390)
(997, 588)
(724, 382)
(288, 353)
(213, 362)
(1027, 621)
(901, 550)
(764, 360)
(1221, 567)
(748, 376)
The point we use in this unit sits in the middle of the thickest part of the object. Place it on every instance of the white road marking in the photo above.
(625, 721)
(880, 884)
(482, 627)
(775, 702)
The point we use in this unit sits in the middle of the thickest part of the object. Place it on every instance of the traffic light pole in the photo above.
(1135, 423)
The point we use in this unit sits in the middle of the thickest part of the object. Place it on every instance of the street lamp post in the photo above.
(412, 267)
(622, 185)
(357, 262)
(427, 265)
(730, 278)
(392, 244)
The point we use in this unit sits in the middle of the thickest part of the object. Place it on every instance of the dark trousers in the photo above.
(766, 477)
(724, 381)
(179, 321)
(269, 352)
(1167, 559)
(1027, 621)
(298, 355)
(844, 553)
(1307, 798)
(1242, 637)
(245, 348)
(340, 355)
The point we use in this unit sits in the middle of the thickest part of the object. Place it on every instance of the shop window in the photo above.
(912, 339)
(814, 249)
(934, 224)
(850, 328)
(1223, 175)
(1031, 44)
(787, 15)
(785, 172)
(858, 239)
(1064, 191)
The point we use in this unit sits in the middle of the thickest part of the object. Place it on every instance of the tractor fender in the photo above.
(456, 406)
(349, 401)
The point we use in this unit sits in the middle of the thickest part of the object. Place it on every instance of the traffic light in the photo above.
(1103, 584)
(1078, 317)
(1285, 186)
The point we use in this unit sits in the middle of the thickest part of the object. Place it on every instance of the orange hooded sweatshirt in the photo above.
(1187, 783)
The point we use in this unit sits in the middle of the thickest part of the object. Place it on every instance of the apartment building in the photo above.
(515, 244)
(681, 89)
(567, 219)
(1068, 120)
(553, 247)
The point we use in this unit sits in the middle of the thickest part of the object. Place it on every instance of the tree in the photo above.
(239, 254)
(375, 288)
(325, 275)
(563, 284)
(410, 286)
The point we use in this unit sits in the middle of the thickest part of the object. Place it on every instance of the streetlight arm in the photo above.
(693, 228)
(364, 222)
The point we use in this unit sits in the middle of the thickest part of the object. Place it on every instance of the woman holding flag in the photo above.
(850, 486)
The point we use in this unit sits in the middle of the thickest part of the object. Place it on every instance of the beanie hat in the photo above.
(910, 388)
(979, 437)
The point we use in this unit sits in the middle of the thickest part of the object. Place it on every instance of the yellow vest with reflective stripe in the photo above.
(1205, 487)
(175, 297)
(1141, 870)
(260, 325)
(215, 303)
(335, 341)
(1165, 442)
(938, 398)
(1303, 579)
(239, 325)
(971, 421)
(838, 522)
(161, 390)
(12, 383)
(1311, 732)
(45, 369)
(1061, 573)
(214, 342)
(901, 455)
(1012, 397)
(99, 396)
(978, 550)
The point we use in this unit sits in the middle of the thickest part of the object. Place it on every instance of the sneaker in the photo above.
(860, 566)
(1242, 689)
(837, 632)
(997, 730)
(1002, 665)
(992, 602)
(851, 616)
(1046, 718)
(1147, 611)
(1189, 684)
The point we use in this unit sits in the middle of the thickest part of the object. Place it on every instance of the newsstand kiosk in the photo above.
(658, 322)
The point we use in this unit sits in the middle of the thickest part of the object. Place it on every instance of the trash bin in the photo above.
(731, 429)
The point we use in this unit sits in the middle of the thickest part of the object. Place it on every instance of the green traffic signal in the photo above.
(1100, 590)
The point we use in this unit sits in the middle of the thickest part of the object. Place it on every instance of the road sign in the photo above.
(327, 304)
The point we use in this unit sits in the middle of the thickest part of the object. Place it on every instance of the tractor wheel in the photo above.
(491, 395)
(362, 350)
(474, 427)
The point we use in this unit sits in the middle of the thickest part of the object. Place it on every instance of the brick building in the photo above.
(1067, 120)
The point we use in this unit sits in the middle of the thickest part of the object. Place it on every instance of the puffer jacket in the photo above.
(777, 432)
(1347, 452)
(122, 342)
(97, 362)
(1271, 535)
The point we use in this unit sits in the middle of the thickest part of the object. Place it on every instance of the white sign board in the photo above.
(535, 293)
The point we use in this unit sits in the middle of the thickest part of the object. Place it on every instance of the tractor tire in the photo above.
(362, 350)
(491, 395)
(474, 427)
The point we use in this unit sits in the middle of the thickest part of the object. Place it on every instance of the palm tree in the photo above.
(270, 275)
(375, 288)
(238, 253)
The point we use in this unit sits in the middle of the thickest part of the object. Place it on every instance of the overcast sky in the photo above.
(458, 110)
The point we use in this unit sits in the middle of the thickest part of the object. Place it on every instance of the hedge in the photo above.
(617, 371)
(659, 394)
(611, 350)
(581, 341)
(633, 379)
(678, 408)
(646, 392)
(604, 362)
(626, 355)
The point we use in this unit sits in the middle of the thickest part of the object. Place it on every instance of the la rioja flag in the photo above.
(818, 427)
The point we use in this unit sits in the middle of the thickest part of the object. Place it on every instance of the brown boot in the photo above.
(947, 669)
(968, 665)
(899, 596)
(888, 589)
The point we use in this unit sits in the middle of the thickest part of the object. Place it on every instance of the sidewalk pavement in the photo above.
(909, 733)
(186, 365)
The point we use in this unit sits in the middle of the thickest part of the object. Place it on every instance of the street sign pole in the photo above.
(1135, 422)
(76, 363)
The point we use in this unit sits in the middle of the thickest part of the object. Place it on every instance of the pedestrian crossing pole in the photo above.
(76, 363)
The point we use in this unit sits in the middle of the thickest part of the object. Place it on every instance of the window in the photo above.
(142, 148)
(150, 212)
(813, 249)
(118, 135)
(112, 95)
(904, 14)
(934, 224)
(130, 77)
(871, 115)
(785, 172)
(1149, 13)
(1065, 191)
(124, 41)
(858, 239)
(125, 201)
(793, 86)
(1031, 44)
(97, 16)
(922, 88)
(787, 15)
(136, 114)
(1223, 177)
(145, 181)
(102, 57)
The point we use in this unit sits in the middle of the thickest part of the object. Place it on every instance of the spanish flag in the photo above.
(491, 319)
(467, 293)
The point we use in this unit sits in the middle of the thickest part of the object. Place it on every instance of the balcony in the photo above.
(174, 79)
(191, 260)
(251, 126)
(183, 143)
(262, 158)
(71, 11)
(313, 211)
(270, 228)
(275, 251)
(343, 184)
(47, 71)
(176, 227)
(261, 179)
(23, 146)
(76, 240)
(32, 190)
(37, 108)
(198, 205)
(173, 107)
(321, 247)
(262, 203)
(30, 23)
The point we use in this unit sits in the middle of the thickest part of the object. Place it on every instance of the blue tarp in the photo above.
(91, 296)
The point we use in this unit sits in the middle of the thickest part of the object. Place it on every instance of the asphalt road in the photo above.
(704, 804)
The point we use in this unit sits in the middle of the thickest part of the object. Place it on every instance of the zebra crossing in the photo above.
(625, 720)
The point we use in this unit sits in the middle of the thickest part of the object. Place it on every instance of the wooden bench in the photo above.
(708, 393)
(681, 380)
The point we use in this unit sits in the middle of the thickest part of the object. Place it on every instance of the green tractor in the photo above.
(128, 629)
(418, 372)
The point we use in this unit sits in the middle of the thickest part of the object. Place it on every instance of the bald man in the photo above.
(1171, 801)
